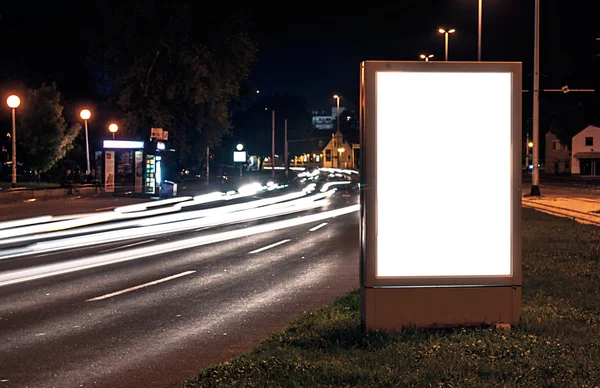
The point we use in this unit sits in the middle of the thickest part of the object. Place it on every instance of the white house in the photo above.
(585, 150)
(322, 120)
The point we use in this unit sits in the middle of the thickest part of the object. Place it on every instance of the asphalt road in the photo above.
(155, 320)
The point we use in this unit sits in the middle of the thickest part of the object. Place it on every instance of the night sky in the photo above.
(315, 50)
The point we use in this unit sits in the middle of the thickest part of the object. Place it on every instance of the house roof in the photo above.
(587, 155)
(589, 128)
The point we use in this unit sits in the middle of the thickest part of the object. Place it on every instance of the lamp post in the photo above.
(426, 57)
(535, 179)
(479, 13)
(13, 103)
(85, 115)
(529, 145)
(273, 144)
(240, 147)
(113, 128)
(338, 110)
(340, 153)
(446, 34)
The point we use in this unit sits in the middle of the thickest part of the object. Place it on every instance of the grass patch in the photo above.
(557, 343)
(29, 185)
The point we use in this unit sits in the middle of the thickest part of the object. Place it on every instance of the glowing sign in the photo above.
(239, 156)
(129, 144)
(460, 126)
(160, 146)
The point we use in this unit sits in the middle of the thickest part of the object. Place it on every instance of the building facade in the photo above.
(325, 120)
(557, 156)
(585, 150)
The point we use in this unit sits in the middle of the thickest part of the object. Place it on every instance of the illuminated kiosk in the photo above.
(123, 168)
(441, 204)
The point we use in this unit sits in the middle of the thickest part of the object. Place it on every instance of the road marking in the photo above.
(127, 246)
(140, 286)
(270, 246)
(317, 227)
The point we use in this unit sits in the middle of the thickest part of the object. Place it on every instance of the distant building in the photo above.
(338, 153)
(325, 120)
(557, 156)
(585, 149)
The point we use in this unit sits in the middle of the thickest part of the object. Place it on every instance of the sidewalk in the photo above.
(581, 209)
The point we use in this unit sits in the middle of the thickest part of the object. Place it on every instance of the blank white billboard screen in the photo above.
(239, 156)
(443, 174)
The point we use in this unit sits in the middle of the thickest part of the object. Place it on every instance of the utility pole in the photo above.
(207, 165)
(273, 144)
(479, 17)
(285, 152)
(535, 181)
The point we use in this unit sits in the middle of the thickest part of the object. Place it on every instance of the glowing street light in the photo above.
(13, 103)
(446, 33)
(426, 57)
(340, 153)
(85, 114)
(113, 128)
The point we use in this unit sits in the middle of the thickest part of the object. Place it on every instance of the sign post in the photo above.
(435, 252)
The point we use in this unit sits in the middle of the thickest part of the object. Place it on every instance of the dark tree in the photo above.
(43, 136)
(174, 65)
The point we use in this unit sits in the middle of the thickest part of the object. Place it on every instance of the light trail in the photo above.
(146, 218)
(44, 271)
(298, 205)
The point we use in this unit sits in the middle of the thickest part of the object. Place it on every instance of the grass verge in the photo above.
(557, 343)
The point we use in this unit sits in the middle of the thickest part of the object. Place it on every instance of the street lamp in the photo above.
(479, 17)
(426, 57)
(113, 128)
(13, 103)
(340, 153)
(529, 145)
(338, 110)
(85, 115)
(446, 33)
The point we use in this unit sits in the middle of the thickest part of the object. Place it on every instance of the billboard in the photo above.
(441, 166)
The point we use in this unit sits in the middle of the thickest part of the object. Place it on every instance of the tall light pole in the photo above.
(338, 110)
(426, 58)
(285, 150)
(479, 17)
(13, 103)
(113, 128)
(273, 144)
(85, 115)
(535, 181)
(446, 33)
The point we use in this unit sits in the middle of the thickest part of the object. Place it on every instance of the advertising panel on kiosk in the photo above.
(440, 214)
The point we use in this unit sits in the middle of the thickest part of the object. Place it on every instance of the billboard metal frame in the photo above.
(459, 300)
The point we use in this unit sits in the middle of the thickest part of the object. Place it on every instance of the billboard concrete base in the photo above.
(394, 309)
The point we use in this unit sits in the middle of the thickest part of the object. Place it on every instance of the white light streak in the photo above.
(128, 245)
(44, 271)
